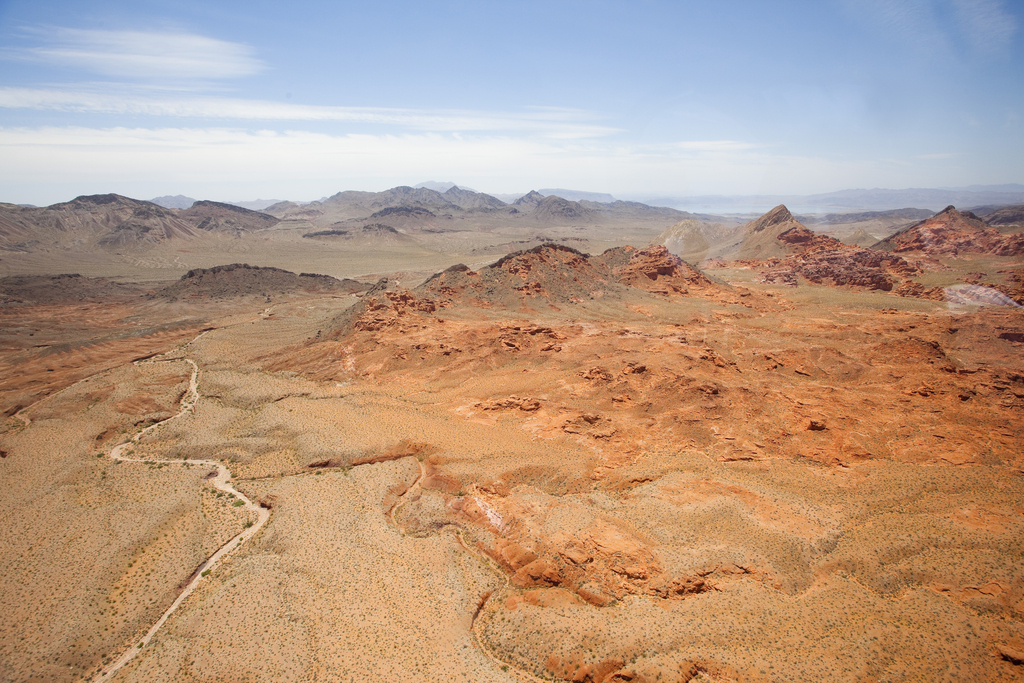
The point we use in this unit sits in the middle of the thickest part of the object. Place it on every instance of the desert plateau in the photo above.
(516, 342)
(438, 436)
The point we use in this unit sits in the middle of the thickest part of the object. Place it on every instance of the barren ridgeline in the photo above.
(554, 465)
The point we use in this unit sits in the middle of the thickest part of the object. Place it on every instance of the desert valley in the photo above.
(422, 435)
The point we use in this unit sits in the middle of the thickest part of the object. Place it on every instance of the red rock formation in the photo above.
(919, 291)
(951, 232)
(656, 270)
(842, 266)
(802, 239)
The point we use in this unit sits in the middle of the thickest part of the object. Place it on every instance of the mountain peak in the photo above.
(100, 199)
(177, 201)
(780, 214)
(436, 186)
(531, 198)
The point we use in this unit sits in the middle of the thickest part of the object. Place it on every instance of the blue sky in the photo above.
(239, 100)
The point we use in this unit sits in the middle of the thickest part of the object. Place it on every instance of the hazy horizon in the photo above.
(863, 199)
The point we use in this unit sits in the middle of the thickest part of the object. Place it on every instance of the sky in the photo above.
(236, 101)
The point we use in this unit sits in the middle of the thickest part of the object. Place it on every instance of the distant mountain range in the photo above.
(441, 186)
(180, 201)
(254, 205)
(578, 195)
(113, 223)
(422, 207)
(571, 195)
(876, 199)
(177, 201)
(931, 199)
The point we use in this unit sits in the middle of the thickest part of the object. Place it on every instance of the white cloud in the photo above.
(550, 122)
(226, 163)
(143, 55)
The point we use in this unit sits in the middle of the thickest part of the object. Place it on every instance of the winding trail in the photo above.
(221, 482)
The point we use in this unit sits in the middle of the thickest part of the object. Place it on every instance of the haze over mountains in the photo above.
(853, 200)
(379, 230)
(418, 209)
(417, 220)
(847, 201)
(424, 226)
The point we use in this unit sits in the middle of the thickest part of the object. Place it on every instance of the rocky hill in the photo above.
(760, 237)
(529, 201)
(859, 238)
(756, 240)
(788, 251)
(692, 239)
(469, 200)
(107, 221)
(908, 214)
(550, 277)
(177, 201)
(352, 204)
(951, 232)
(241, 279)
(842, 265)
(379, 234)
(554, 274)
(227, 218)
(1006, 218)
(555, 209)
(696, 240)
